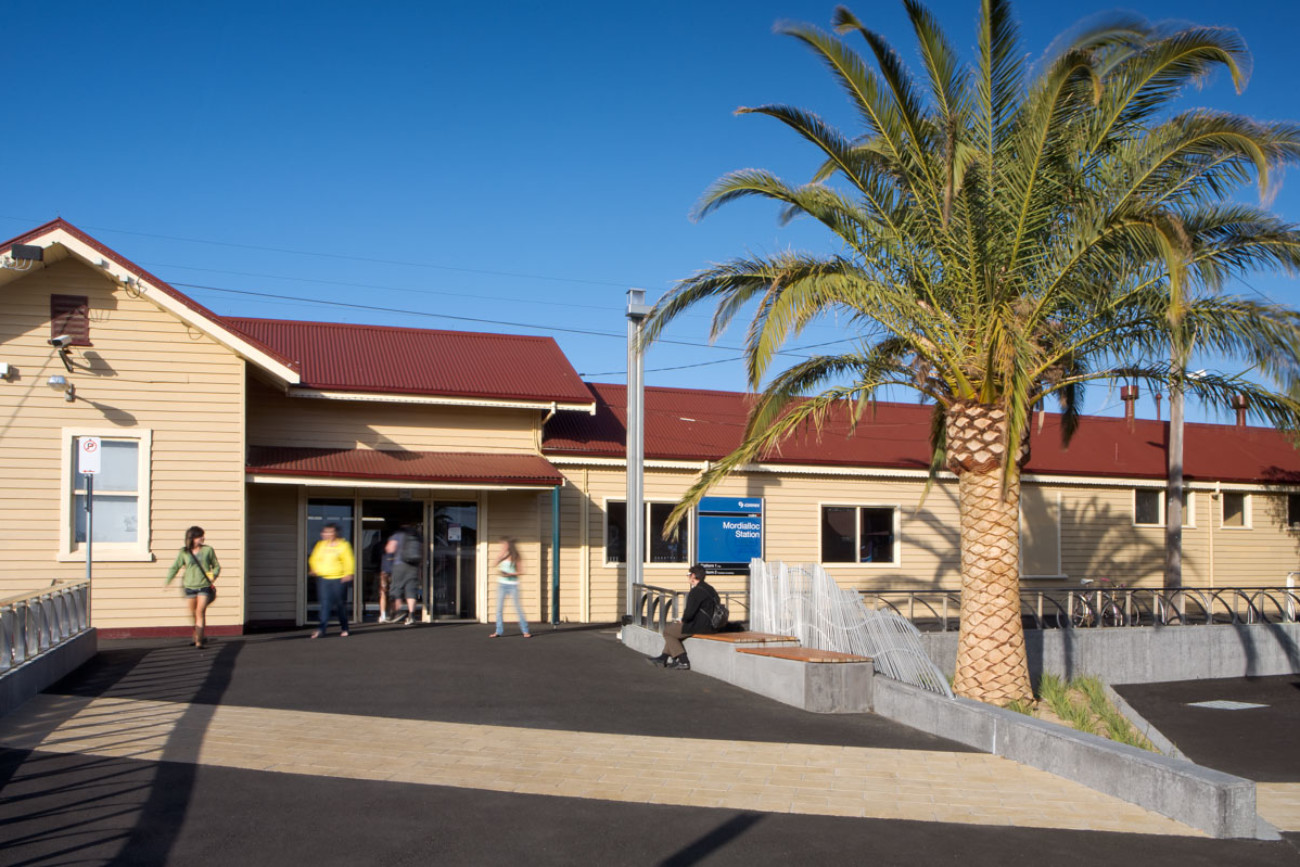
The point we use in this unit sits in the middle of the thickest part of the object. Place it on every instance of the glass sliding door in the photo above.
(455, 561)
(380, 519)
(319, 513)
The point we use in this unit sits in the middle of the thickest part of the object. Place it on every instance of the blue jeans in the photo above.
(504, 589)
(332, 594)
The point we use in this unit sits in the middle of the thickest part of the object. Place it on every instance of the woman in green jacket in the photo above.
(199, 567)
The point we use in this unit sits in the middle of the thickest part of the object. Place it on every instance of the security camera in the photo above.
(61, 342)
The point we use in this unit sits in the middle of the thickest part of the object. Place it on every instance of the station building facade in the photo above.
(261, 431)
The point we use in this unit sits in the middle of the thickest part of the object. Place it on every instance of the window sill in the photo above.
(109, 556)
(860, 565)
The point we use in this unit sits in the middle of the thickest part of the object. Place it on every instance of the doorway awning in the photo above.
(400, 469)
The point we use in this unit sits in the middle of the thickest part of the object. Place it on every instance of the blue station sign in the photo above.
(730, 533)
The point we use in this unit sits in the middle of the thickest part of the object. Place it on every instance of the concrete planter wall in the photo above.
(1149, 654)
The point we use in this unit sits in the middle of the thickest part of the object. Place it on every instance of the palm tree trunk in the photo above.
(991, 662)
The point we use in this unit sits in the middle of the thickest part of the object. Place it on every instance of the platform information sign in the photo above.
(730, 533)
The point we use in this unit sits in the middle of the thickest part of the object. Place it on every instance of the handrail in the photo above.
(1104, 606)
(56, 585)
(656, 607)
(32, 624)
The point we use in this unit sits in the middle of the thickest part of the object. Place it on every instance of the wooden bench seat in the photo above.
(748, 638)
(803, 654)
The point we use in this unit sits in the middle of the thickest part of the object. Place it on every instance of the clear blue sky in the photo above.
(498, 162)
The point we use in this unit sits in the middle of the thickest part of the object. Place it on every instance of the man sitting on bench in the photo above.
(697, 619)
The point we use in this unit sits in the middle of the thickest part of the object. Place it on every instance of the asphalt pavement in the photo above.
(64, 808)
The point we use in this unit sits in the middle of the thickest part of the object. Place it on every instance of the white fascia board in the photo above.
(385, 484)
(434, 400)
(920, 475)
(619, 463)
(218, 332)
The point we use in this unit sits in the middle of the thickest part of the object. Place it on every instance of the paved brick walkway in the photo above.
(811, 779)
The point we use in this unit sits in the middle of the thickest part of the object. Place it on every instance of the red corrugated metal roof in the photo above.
(686, 424)
(474, 468)
(374, 358)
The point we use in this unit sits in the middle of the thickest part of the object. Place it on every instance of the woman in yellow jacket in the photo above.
(332, 563)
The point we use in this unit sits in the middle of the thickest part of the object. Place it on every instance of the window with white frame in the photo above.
(1149, 507)
(120, 497)
(1236, 510)
(675, 549)
(859, 534)
(1293, 511)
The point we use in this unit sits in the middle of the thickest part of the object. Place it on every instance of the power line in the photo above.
(404, 312)
(343, 256)
(354, 285)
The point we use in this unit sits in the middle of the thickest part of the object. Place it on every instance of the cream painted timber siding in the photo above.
(1099, 540)
(277, 420)
(1262, 553)
(146, 372)
(518, 514)
(792, 530)
(274, 542)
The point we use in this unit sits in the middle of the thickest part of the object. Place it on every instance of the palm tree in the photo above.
(1005, 238)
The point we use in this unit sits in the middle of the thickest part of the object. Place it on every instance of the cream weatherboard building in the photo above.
(261, 431)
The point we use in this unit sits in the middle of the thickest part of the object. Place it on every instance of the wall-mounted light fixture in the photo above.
(59, 382)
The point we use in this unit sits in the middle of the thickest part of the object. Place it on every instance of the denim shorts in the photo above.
(202, 591)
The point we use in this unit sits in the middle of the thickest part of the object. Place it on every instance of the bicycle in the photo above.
(1097, 607)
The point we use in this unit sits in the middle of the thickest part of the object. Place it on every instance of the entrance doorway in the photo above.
(320, 513)
(380, 519)
(455, 560)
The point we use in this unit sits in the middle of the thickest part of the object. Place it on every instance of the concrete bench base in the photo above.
(819, 687)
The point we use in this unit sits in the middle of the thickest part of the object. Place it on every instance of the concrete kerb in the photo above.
(1219, 804)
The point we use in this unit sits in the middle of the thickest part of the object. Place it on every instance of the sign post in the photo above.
(730, 533)
(88, 464)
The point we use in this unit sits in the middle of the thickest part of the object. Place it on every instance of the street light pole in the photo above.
(635, 557)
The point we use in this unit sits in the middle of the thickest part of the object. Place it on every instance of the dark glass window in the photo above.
(1146, 507)
(675, 549)
(1293, 510)
(876, 540)
(853, 534)
(838, 534)
(615, 532)
(1234, 509)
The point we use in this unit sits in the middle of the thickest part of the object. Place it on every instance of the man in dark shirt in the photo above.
(697, 619)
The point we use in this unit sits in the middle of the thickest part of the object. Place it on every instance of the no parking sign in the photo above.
(88, 449)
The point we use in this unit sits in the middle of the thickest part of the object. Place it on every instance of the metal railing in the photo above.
(658, 606)
(36, 623)
(1091, 606)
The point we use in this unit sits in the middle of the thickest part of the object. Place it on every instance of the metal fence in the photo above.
(38, 622)
(1102, 607)
(1081, 607)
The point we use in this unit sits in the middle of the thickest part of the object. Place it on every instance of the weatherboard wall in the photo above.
(147, 374)
(275, 419)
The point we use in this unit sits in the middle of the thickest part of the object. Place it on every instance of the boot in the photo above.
(660, 660)
(681, 663)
